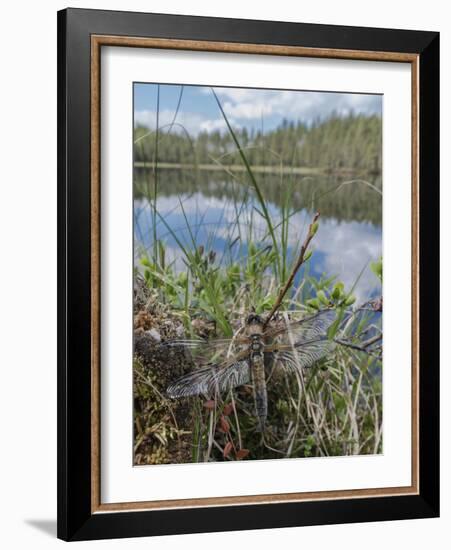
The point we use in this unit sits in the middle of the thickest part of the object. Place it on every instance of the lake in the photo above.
(221, 213)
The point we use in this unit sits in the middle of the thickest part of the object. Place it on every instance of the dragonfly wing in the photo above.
(208, 349)
(197, 343)
(304, 355)
(211, 379)
(305, 330)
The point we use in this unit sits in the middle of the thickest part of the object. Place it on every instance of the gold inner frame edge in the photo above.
(97, 41)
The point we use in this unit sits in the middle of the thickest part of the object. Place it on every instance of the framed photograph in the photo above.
(248, 274)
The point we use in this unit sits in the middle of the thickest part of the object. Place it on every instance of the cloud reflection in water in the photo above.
(342, 248)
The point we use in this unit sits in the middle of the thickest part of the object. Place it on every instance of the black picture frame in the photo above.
(76, 521)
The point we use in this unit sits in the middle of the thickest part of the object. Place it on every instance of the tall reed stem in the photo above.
(311, 233)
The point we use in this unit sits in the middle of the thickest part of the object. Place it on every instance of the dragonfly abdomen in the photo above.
(259, 381)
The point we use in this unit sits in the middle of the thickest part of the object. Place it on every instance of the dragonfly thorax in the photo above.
(255, 333)
(256, 345)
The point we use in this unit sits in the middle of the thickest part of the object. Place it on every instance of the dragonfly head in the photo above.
(254, 319)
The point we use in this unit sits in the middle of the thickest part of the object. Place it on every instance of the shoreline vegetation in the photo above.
(276, 170)
(331, 409)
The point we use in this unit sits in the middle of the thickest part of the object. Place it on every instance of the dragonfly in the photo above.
(249, 357)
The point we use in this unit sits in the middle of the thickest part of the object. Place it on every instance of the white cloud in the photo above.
(253, 104)
(191, 122)
(213, 125)
(247, 109)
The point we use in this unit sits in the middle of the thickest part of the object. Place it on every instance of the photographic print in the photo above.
(257, 274)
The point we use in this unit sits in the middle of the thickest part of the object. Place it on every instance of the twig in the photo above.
(280, 297)
(371, 341)
(240, 443)
(363, 346)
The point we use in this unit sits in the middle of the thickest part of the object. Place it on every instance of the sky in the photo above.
(245, 107)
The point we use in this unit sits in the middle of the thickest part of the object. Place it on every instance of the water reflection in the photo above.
(342, 248)
(344, 197)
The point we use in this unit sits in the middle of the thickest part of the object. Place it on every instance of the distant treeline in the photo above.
(337, 144)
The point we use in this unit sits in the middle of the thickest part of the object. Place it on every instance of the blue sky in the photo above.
(245, 107)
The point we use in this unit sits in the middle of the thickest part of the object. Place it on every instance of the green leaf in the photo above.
(161, 253)
(182, 279)
(314, 303)
(376, 268)
(308, 255)
(333, 329)
(322, 297)
(337, 290)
